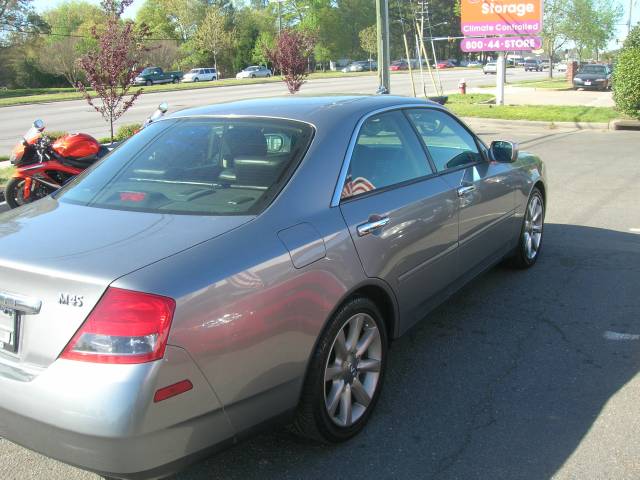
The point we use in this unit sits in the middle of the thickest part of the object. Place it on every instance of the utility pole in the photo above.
(631, 2)
(382, 17)
(501, 70)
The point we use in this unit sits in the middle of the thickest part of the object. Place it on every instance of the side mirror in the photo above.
(163, 107)
(38, 125)
(505, 152)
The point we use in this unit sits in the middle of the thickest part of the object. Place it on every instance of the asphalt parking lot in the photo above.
(521, 375)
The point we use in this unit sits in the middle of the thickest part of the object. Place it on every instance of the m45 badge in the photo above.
(71, 300)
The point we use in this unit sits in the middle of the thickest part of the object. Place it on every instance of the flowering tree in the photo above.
(291, 56)
(111, 67)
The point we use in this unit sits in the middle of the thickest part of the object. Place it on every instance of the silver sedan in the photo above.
(239, 263)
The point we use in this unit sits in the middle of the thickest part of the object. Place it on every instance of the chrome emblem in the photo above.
(71, 300)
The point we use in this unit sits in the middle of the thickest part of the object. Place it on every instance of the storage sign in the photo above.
(501, 17)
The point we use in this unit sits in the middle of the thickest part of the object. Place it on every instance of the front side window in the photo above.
(449, 143)
(196, 166)
(387, 152)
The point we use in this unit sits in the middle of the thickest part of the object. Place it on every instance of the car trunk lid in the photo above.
(64, 266)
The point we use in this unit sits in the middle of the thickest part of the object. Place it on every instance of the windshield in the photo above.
(146, 71)
(597, 69)
(203, 166)
(193, 70)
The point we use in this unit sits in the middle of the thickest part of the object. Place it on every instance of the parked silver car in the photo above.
(237, 263)
(254, 71)
(490, 67)
(200, 75)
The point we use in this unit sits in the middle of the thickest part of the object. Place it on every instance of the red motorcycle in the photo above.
(44, 165)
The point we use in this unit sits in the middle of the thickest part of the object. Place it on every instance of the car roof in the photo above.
(321, 111)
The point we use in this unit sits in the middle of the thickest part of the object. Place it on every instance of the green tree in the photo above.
(212, 37)
(18, 15)
(592, 25)
(68, 21)
(156, 16)
(369, 40)
(555, 28)
(265, 42)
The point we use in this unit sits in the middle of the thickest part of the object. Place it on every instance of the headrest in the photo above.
(245, 141)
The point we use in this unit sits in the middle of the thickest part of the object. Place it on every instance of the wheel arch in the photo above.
(539, 184)
(378, 292)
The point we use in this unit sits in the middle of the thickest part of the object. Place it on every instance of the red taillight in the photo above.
(124, 327)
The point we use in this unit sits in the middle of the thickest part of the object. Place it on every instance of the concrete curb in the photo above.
(536, 123)
(624, 125)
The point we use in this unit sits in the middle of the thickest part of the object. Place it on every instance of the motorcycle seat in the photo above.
(85, 162)
(80, 162)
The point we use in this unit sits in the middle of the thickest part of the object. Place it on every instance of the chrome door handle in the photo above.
(369, 227)
(462, 191)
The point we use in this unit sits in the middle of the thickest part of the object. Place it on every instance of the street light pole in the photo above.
(382, 17)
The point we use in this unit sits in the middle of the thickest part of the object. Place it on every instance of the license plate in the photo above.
(9, 328)
(587, 82)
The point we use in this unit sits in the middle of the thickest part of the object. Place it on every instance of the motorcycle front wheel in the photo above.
(14, 193)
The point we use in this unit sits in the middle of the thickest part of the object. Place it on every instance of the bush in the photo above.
(626, 82)
(55, 134)
(123, 133)
(633, 39)
(126, 131)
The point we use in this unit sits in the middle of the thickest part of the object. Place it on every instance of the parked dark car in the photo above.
(596, 77)
(532, 65)
(361, 66)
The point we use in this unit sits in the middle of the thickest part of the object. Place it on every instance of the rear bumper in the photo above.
(102, 417)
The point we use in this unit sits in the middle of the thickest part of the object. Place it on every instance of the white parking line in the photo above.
(620, 337)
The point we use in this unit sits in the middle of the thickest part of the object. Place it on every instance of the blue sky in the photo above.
(621, 33)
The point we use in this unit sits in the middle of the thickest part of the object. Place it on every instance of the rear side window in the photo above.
(387, 152)
(449, 143)
(196, 166)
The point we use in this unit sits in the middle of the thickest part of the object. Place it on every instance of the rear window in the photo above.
(203, 166)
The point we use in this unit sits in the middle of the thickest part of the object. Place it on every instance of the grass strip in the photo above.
(554, 84)
(546, 113)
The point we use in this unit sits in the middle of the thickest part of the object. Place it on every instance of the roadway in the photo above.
(77, 115)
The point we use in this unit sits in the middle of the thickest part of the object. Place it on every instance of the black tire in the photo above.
(175, 80)
(13, 192)
(312, 420)
(268, 75)
(520, 259)
(196, 79)
(253, 75)
(148, 83)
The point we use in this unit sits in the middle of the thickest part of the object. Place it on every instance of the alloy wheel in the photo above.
(533, 225)
(352, 372)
